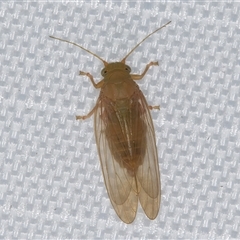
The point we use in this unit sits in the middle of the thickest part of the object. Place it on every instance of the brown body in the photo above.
(126, 144)
(125, 129)
(125, 139)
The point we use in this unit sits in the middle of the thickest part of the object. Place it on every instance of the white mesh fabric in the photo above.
(51, 184)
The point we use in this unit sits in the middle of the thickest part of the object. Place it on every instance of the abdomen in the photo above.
(126, 133)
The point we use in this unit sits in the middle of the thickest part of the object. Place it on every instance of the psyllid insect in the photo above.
(125, 138)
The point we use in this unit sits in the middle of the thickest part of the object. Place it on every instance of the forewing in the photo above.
(121, 186)
(148, 173)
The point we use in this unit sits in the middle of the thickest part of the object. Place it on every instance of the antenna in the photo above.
(75, 44)
(124, 59)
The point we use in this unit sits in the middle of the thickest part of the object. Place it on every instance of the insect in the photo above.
(125, 138)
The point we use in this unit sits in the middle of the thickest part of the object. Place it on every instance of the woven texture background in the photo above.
(51, 185)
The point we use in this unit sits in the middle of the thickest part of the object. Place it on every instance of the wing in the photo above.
(130, 164)
(148, 173)
(121, 186)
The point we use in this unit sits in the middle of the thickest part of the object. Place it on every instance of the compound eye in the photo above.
(104, 72)
(128, 68)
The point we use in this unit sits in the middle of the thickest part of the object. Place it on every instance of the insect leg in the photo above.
(140, 76)
(96, 85)
(88, 115)
(154, 107)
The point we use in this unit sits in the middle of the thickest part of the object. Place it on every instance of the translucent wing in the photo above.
(127, 149)
(148, 173)
(121, 186)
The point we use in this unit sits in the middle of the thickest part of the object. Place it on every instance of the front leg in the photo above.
(140, 76)
(96, 85)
